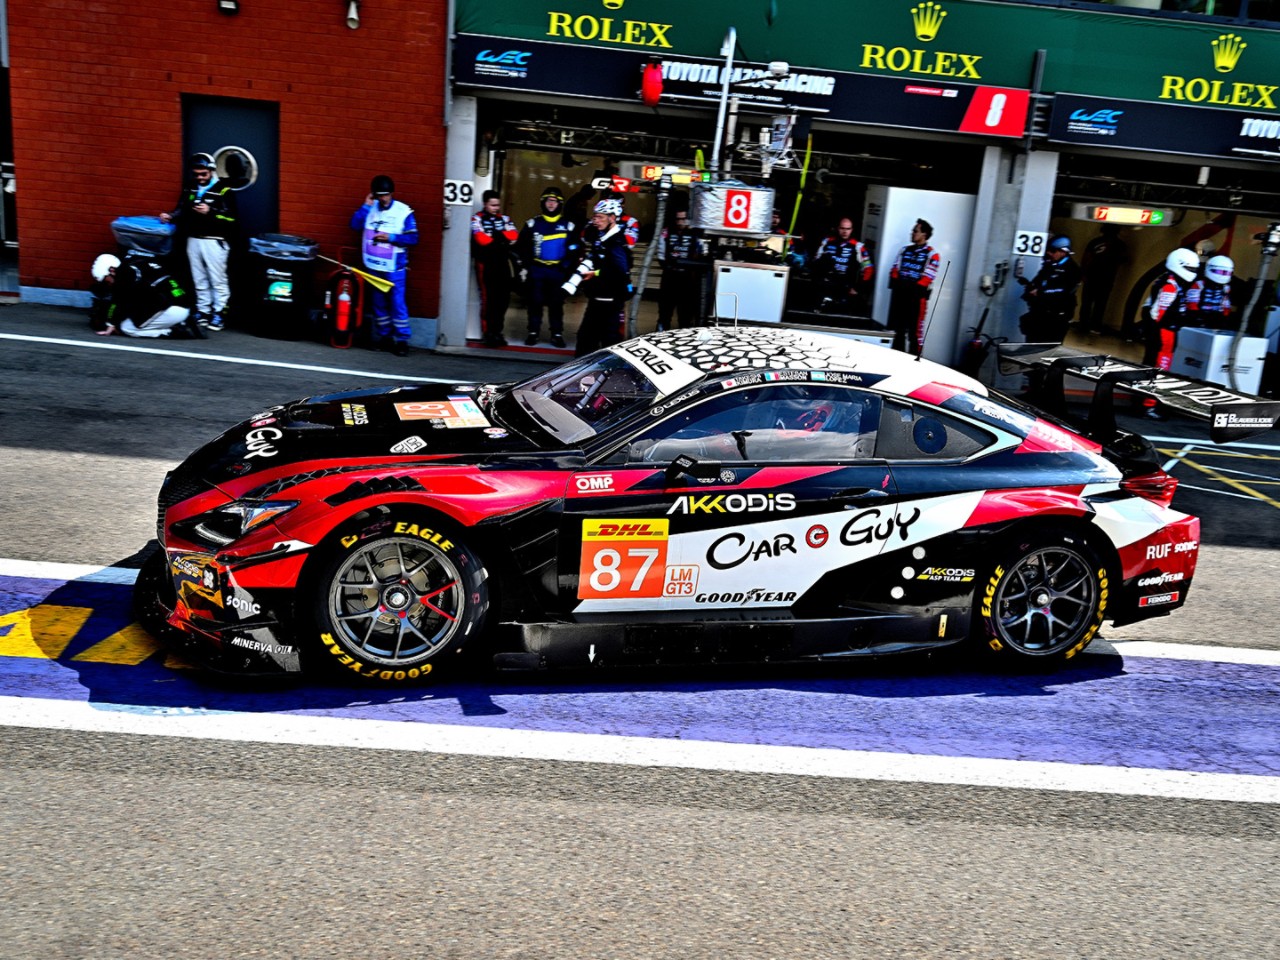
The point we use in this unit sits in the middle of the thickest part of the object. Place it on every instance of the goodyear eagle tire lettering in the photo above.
(397, 596)
(1044, 600)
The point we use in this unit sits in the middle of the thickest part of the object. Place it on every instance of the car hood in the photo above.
(377, 424)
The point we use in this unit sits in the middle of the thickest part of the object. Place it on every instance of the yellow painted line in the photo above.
(1244, 488)
(42, 632)
(129, 646)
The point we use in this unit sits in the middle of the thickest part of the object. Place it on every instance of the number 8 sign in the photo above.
(737, 209)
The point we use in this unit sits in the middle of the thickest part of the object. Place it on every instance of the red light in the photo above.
(651, 84)
(1157, 487)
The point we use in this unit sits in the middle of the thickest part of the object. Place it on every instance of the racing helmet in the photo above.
(1183, 263)
(1060, 243)
(103, 265)
(382, 185)
(609, 206)
(1219, 269)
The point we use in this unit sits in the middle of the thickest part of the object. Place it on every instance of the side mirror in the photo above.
(687, 466)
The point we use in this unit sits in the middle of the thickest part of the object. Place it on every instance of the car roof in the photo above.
(706, 352)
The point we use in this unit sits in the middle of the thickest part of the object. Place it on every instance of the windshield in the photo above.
(579, 400)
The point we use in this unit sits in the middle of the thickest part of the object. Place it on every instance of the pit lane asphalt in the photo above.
(142, 846)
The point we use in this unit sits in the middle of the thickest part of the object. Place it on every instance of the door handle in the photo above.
(859, 495)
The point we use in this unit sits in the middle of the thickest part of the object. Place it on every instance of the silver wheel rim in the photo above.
(1045, 602)
(396, 602)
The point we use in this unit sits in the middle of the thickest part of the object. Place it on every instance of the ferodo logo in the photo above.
(1158, 599)
(259, 442)
(927, 19)
(624, 530)
(735, 503)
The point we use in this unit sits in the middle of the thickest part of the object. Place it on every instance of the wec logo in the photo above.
(1108, 117)
(516, 58)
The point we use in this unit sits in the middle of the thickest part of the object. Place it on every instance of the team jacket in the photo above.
(845, 258)
(492, 235)
(610, 256)
(1169, 301)
(547, 240)
(1055, 287)
(1204, 296)
(680, 250)
(220, 221)
(916, 267)
(142, 289)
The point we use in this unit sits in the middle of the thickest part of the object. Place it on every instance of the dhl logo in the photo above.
(625, 529)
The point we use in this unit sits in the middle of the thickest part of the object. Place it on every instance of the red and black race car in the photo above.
(710, 494)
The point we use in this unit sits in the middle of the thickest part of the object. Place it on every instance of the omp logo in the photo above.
(928, 20)
(1226, 52)
(516, 58)
(594, 483)
(624, 529)
(734, 503)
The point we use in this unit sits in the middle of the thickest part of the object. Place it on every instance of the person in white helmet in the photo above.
(103, 272)
(1209, 299)
(1166, 312)
(605, 272)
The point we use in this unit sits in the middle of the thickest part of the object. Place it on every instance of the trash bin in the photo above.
(146, 234)
(283, 269)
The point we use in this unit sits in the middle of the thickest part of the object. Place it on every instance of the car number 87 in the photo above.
(622, 558)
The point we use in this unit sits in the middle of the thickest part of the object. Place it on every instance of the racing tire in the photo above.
(1044, 599)
(153, 595)
(399, 596)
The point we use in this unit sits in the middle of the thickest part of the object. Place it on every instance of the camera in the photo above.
(570, 286)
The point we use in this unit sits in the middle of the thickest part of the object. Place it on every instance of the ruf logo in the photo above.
(927, 18)
(1226, 52)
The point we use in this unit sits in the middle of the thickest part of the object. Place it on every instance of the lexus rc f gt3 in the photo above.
(700, 495)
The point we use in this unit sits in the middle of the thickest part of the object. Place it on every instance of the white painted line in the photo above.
(40, 570)
(632, 751)
(1210, 445)
(246, 361)
(1177, 457)
(1194, 651)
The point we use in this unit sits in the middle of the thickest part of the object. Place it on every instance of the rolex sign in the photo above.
(731, 208)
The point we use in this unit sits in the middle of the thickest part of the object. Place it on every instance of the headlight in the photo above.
(233, 520)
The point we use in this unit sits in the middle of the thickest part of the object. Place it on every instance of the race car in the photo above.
(700, 495)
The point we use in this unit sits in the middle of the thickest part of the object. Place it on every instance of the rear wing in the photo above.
(1231, 415)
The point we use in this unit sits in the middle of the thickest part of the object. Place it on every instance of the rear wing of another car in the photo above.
(1231, 415)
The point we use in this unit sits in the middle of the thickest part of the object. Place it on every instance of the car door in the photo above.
(738, 501)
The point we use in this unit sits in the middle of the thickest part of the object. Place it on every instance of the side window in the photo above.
(795, 423)
(908, 432)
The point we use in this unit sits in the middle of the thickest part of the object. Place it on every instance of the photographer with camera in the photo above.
(604, 277)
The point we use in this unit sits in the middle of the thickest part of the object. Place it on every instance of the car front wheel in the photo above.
(398, 599)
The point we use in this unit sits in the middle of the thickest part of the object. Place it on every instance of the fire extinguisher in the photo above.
(343, 307)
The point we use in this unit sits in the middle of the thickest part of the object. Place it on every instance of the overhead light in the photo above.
(353, 14)
(229, 7)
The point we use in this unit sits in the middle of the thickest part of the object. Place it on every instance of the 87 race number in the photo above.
(622, 558)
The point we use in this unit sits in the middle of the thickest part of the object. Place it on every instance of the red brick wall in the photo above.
(97, 116)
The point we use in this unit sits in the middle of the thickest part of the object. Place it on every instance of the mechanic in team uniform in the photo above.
(492, 237)
(206, 222)
(388, 228)
(606, 279)
(1209, 299)
(547, 245)
(146, 300)
(1051, 295)
(910, 283)
(844, 266)
(683, 254)
(1166, 311)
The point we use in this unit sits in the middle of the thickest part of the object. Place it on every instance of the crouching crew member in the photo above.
(146, 301)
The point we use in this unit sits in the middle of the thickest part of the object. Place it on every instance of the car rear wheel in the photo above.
(1045, 600)
(399, 599)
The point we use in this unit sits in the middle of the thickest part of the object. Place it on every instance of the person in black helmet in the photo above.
(547, 245)
(388, 230)
(1051, 295)
(206, 222)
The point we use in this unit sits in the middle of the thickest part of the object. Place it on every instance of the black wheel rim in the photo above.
(396, 602)
(1046, 601)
